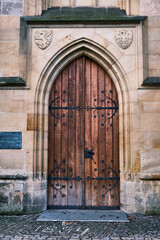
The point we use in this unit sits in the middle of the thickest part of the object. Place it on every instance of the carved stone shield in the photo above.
(124, 38)
(43, 38)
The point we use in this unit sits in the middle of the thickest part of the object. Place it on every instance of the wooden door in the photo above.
(83, 153)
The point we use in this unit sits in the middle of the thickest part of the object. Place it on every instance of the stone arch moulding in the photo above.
(64, 56)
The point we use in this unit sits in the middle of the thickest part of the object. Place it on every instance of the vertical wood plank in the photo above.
(94, 124)
(109, 140)
(88, 162)
(79, 130)
(115, 191)
(72, 135)
(65, 127)
(50, 149)
(57, 140)
(102, 137)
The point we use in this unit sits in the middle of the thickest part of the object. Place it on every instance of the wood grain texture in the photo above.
(84, 88)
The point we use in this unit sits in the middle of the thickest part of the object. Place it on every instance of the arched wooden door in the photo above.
(83, 154)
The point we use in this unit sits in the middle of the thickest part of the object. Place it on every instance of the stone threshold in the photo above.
(85, 215)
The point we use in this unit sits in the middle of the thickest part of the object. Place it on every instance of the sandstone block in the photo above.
(84, 3)
(9, 21)
(149, 7)
(61, 3)
(9, 35)
(12, 159)
(11, 7)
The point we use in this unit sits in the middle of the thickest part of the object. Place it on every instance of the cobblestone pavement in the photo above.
(26, 227)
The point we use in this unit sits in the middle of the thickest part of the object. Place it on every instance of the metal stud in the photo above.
(55, 124)
(64, 91)
(102, 161)
(95, 99)
(64, 100)
(103, 170)
(64, 160)
(102, 91)
(111, 125)
(54, 196)
(63, 170)
(102, 124)
(55, 91)
(63, 186)
(95, 187)
(95, 116)
(95, 169)
(55, 160)
(103, 195)
(102, 115)
(71, 187)
(110, 91)
(71, 116)
(70, 169)
(103, 186)
(63, 195)
(57, 184)
(63, 115)
(112, 196)
(64, 124)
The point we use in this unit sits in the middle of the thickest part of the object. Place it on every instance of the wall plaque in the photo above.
(124, 38)
(43, 38)
(10, 140)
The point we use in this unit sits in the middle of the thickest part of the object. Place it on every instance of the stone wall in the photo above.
(140, 171)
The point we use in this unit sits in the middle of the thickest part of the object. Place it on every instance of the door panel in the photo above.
(83, 138)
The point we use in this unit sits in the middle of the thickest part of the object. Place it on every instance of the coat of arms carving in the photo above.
(43, 38)
(124, 38)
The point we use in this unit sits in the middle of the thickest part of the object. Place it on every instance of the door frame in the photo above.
(66, 55)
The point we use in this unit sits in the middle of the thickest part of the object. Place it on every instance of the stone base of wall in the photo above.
(23, 197)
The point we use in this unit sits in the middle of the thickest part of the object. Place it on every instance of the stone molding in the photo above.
(35, 7)
(152, 81)
(13, 176)
(150, 176)
(12, 82)
(84, 15)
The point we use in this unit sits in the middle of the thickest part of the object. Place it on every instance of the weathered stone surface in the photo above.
(12, 7)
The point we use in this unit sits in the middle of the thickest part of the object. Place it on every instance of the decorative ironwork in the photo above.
(88, 153)
(111, 107)
(56, 176)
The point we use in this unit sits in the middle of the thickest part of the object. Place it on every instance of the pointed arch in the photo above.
(52, 69)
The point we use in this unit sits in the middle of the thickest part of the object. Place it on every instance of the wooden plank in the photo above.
(10, 140)
(71, 136)
(65, 126)
(94, 125)
(115, 191)
(102, 137)
(109, 140)
(79, 131)
(50, 149)
(88, 162)
(57, 141)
